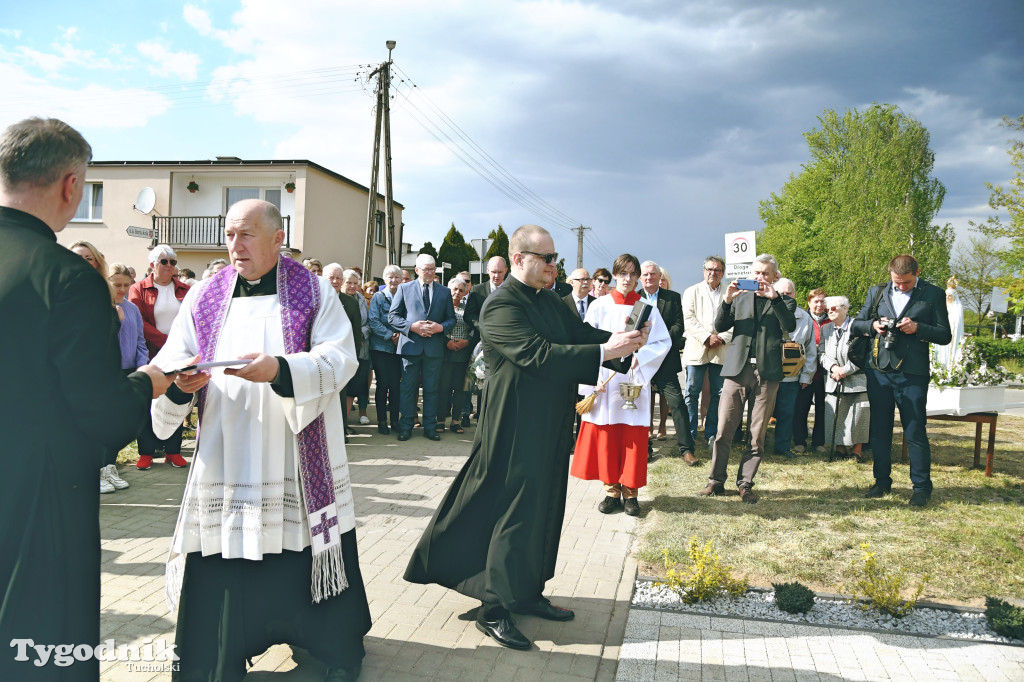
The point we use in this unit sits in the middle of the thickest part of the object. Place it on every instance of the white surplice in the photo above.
(605, 314)
(243, 498)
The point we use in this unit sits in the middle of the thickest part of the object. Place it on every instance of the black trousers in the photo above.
(387, 368)
(816, 393)
(672, 394)
(451, 395)
(148, 442)
(233, 609)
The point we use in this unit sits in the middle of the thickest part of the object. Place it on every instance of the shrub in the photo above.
(882, 588)
(1006, 619)
(707, 577)
(793, 597)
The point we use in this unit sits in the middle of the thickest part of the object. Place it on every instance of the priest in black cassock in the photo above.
(67, 406)
(495, 535)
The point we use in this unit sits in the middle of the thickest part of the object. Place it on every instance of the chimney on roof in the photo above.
(229, 158)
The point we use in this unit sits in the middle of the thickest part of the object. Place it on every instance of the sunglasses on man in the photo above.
(168, 261)
(549, 258)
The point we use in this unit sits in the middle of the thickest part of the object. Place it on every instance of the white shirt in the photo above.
(166, 307)
(900, 299)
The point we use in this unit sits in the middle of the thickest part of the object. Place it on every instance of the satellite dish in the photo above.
(146, 200)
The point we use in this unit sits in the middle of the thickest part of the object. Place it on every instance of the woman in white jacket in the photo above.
(846, 385)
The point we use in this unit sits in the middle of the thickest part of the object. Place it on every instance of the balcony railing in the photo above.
(200, 231)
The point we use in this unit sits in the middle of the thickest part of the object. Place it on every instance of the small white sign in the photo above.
(740, 250)
(143, 232)
(999, 300)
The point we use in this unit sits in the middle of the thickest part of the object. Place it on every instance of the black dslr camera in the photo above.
(889, 331)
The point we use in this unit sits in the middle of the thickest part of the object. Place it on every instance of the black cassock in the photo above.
(495, 535)
(67, 408)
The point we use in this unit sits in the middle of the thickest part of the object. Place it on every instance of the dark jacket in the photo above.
(571, 302)
(909, 354)
(670, 306)
(67, 410)
(475, 302)
(763, 326)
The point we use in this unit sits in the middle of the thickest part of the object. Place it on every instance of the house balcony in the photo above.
(200, 232)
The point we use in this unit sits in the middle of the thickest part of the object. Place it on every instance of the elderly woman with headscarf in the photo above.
(847, 415)
(158, 297)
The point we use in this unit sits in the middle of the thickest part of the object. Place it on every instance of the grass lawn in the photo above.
(812, 518)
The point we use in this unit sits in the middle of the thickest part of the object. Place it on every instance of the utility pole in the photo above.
(383, 125)
(579, 245)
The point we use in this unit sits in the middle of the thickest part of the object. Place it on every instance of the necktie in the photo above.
(426, 298)
(582, 312)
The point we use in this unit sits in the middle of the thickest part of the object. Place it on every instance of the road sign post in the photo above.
(141, 232)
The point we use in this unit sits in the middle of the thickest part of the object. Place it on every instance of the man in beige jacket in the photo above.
(704, 351)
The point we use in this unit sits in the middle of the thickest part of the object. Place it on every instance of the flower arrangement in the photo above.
(289, 187)
(192, 186)
(972, 369)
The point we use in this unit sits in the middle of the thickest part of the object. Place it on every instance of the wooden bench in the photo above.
(977, 418)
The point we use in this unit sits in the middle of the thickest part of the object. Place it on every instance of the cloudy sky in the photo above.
(660, 124)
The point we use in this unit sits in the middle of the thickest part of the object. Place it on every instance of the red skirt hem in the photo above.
(611, 453)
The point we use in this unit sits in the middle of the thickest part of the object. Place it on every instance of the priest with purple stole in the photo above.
(264, 550)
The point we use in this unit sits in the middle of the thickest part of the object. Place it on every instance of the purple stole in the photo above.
(299, 296)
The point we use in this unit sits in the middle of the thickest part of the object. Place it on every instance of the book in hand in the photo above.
(639, 315)
(209, 365)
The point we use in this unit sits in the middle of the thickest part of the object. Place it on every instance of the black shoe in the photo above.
(502, 630)
(609, 504)
(542, 608)
(343, 674)
(631, 506)
(878, 490)
(919, 499)
(788, 454)
(383, 429)
(465, 421)
(403, 435)
(431, 435)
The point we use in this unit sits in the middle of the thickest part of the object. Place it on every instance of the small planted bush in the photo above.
(793, 597)
(881, 587)
(1006, 619)
(706, 577)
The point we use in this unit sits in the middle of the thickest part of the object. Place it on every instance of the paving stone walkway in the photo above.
(427, 632)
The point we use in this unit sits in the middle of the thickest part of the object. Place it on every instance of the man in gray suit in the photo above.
(752, 369)
(422, 312)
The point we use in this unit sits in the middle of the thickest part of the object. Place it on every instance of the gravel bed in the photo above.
(829, 612)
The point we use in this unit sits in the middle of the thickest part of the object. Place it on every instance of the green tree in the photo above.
(499, 247)
(561, 270)
(865, 195)
(1011, 199)
(977, 266)
(456, 251)
(428, 248)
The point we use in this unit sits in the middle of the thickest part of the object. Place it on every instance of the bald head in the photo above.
(254, 235)
(496, 270)
(527, 266)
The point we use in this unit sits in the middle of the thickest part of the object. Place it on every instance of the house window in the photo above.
(273, 196)
(91, 206)
(378, 233)
(236, 194)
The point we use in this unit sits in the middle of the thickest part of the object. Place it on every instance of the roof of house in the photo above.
(235, 161)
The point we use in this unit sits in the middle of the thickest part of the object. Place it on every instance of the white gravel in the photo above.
(761, 605)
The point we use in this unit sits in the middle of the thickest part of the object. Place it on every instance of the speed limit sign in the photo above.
(740, 250)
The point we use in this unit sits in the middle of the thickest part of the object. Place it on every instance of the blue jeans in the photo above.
(909, 392)
(785, 406)
(694, 383)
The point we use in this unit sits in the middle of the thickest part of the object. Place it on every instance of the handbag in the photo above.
(793, 356)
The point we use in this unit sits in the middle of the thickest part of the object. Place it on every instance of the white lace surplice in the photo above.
(243, 496)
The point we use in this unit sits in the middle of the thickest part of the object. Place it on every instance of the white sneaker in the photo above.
(798, 448)
(820, 449)
(105, 486)
(364, 420)
(110, 473)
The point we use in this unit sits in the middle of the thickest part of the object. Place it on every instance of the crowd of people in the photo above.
(264, 550)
